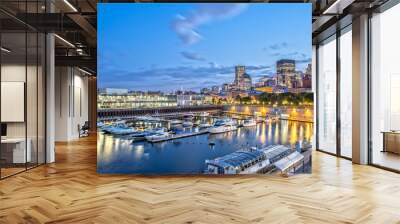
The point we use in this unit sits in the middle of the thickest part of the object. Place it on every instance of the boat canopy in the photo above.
(236, 159)
(289, 161)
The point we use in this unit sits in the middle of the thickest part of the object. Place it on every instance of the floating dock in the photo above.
(177, 136)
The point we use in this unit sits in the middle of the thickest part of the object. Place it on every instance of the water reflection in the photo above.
(187, 155)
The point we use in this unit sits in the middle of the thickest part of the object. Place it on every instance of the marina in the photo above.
(167, 146)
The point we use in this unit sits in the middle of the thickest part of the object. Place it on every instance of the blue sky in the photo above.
(160, 46)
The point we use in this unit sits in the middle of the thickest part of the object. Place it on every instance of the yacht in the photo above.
(155, 131)
(175, 122)
(187, 124)
(100, 124)
(119, 129)
(204, 125)
(249, 123)
(157, 136)
(224, 125)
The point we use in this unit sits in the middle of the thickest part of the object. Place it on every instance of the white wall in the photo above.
(71, 103)
(33, 126)
(12, 73)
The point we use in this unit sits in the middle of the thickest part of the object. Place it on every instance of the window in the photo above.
(385, 89)
(326, 102)
(22, 89)
(346, 92)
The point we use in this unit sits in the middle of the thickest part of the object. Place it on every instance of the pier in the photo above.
(177, 136)
(115, 114)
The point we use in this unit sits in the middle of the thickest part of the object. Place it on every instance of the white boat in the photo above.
(100, 124)
(119, 129)
(156, 131)
(157, 136)
(187, 124)
(224, 125)
(204, 114)
(175, 122)
(249, 123)
(204, 125)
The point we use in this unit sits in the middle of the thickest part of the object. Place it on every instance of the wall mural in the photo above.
(195, 88)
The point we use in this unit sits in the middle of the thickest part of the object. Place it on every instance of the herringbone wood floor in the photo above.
(70, 191)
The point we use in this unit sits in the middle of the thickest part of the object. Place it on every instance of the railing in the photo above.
(109, 114)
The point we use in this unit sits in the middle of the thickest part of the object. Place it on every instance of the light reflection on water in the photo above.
(188, 155)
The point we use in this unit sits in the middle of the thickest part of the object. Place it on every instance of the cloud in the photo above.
(192, 56)
(299, 57)
(304, 61)
(172, 78)
(185, 26)
(278, 46)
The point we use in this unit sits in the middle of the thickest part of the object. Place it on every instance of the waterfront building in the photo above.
(280, 89)
(190, 100)
(135, 100)
(266, 81)
(265, 89)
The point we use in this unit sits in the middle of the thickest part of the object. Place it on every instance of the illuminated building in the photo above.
(135, 100)
(242, 79)
(285, 69)
(190, 100)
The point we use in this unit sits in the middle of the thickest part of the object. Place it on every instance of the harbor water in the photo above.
(119, 154)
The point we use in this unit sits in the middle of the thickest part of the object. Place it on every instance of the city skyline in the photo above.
(193, 50)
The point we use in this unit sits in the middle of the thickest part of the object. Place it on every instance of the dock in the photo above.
(177, 136)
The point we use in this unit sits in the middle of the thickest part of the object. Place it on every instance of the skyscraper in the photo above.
(240, 70)
(242, 79)
(285, 69)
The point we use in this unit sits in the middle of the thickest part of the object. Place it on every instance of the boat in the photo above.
(139, 135)
(100, 124)
(204, 114)
(155, 131)
(187, 124)
(221, 126)
(175, 122)
(204, 125)
(119, 129)
(249, 123)
(157, 136)
(248, 161)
